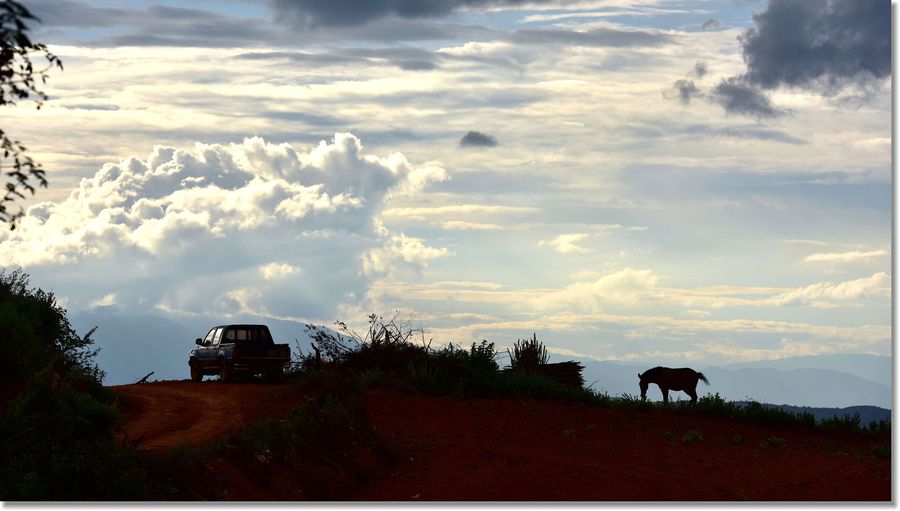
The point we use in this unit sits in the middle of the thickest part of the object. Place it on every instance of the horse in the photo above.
(667, 379)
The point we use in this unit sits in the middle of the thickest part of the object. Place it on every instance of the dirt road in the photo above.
(162, 415)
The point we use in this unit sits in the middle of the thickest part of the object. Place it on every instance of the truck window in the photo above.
(262, 335)
(237, 334)
(218, 335)
(209, 337)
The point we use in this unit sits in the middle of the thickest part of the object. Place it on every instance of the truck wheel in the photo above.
(226, 372)
(196, 375)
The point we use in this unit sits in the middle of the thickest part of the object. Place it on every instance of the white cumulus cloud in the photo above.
(567, 243)
(248, 227)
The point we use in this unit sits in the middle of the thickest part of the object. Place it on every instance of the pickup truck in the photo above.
(233, 350)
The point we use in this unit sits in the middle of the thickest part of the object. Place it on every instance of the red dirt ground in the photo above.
(515, 450)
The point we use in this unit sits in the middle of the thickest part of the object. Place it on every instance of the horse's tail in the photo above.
(703, 378)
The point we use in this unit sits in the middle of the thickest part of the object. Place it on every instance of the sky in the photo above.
(701, 181)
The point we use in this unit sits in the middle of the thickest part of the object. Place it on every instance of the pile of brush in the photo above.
(530, 356)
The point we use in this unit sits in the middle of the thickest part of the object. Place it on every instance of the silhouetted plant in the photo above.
(692, 435)
(773, 442)
(57, 421)
(527, 355)
(19, 80)
(843, 423)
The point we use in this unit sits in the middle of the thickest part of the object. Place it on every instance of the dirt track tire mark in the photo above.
(163, 415)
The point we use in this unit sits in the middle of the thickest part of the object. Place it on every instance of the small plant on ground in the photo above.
(736, 440)
(669, 436)
(692, 435)
(569, 433)
(527, 355)
(881, 451)
(773, 442)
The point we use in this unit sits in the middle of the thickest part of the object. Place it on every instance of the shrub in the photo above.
(527, 355)
(843, 423)
(58, 444)
(692, 435)
(773, 442)
(57, 422)
(760, 413)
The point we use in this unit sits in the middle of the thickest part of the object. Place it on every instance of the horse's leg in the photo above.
(665, 392)
(693, 394)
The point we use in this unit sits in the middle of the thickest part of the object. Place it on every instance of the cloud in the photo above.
(823, 46)
(684, 90)
(844, 257)
(341, 13)
(420, 213)
(567, 243)
(477, 139)
(400, 249)
(737, 96)
(460, 225)
(597, 37)
(628, 287)
(223, 229)
(700, 70)
(876, 286)
(710, 24)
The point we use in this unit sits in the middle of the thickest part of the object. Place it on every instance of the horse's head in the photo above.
(643, 385)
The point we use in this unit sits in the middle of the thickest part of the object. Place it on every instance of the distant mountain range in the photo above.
(133, 345)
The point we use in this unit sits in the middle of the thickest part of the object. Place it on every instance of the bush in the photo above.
(773, 442)
(58, 444)
(692, 435)
(527, 355)
(57, 422)
(843, 423)
(760, 413)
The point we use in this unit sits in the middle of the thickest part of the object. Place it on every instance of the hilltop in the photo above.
(438, 448)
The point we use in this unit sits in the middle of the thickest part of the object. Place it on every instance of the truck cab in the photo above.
(230, 351)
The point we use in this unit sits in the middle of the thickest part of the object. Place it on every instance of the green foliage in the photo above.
(881, 426)
(58, 444)
(691, 436)
(881, 451)
(773, 442)
(19, 80)
(843, 423)
(757, 412)
(321, 441)
(527, 355)
(635, 402)
(35, 334)
(56, 419)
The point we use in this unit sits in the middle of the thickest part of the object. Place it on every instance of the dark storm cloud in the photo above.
(823, 45)
(830, 47)
(684, 91)
(77, 13)
(739, 97)
(477, 139)
(600, 37)
(710, 24)
(700, 70)
(311, 13)
(155, 25)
